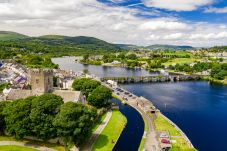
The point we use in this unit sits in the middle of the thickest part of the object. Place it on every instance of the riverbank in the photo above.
(109, 136)
(215, 81)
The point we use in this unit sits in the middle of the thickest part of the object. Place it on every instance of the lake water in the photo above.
(68, 63)
(198, 108)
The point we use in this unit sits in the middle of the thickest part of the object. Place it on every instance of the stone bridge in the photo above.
(156, 78)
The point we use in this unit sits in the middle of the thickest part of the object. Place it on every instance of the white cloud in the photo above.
(177, 5)
(216, 10)
(174, 36)
(209, 36)
(152, 37)
(113, 24)
(163, 24)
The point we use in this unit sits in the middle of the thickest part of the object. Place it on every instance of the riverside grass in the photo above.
(161, 124)
(109, 136)
(15, 148)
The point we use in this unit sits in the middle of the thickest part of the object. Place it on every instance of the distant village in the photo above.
(25, 82)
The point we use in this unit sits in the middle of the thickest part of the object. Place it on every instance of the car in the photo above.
(165, 141)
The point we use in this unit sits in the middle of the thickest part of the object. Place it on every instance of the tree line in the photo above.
(217, 70)
(46, 117)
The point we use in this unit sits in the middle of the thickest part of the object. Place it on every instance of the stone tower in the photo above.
(41, 81)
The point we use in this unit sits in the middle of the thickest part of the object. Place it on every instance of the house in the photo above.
(115, 62)
(68, 95)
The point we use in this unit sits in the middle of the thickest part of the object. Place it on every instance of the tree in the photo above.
(88, 86)
(85, 85)
(73, 122)
(216, 68)
(132, 56)
(221, 75)
(100, 97)
(17, 117)
(2, 120)
(121, 56)
(78, 84)
(85, 57)
(44, 109)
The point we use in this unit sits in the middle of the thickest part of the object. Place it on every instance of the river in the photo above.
(68, 63)
(133, 131)
(198, 108)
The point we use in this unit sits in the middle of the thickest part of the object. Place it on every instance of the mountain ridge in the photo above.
(84, 41)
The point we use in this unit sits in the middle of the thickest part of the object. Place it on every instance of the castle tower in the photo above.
(41, 81)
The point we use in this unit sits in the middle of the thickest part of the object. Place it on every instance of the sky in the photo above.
(199, 23)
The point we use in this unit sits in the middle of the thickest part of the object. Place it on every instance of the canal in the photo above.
(198, 108)
(133, 132)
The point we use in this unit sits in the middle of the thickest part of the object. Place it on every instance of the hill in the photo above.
(127, 46)
(80, 41)
(168, 47)
(7, 35)
(55, 45)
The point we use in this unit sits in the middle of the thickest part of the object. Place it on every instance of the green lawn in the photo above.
(180, 61)
(178, 53)
(111, 132)
(15, 148)
(161, 124)
(38, 143)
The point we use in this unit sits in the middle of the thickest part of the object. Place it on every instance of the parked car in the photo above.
(165, 141)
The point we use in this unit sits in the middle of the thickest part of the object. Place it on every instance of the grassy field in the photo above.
(161, 124)
(37, 143)
(180, 61)
(15, 148)
(178, 54)
(111, 132)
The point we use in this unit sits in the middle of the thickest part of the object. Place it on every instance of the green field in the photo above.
(161, 124)
(37, 143)
(15, 148)
(180, 61)
(111, 132)
(178, 54)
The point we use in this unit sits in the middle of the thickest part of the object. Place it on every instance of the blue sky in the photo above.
(141, 22)
(197, 15)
